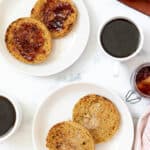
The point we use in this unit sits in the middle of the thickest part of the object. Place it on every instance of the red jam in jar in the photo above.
(143, 80)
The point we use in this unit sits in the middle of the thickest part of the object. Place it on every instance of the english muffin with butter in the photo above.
(58, 15)
(28, 40)
(69, 136)
(99, 115)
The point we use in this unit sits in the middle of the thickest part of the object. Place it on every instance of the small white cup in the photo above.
(118, 60)
(18, 116)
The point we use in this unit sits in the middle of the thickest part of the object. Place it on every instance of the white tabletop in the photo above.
(93, 66)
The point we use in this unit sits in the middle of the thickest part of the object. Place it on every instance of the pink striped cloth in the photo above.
(142, 138)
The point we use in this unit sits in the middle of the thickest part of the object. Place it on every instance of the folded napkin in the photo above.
(140, 5)
(142, 138)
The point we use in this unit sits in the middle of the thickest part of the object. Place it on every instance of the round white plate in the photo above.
(65, 50)
(58, 107)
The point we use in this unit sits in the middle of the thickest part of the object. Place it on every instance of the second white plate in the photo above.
(58, 107)
(65, 50)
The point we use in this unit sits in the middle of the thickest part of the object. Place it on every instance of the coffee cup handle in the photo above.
(132, 97)
(116, 69)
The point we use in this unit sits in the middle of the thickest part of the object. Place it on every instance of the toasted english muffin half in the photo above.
(69, 136)
(28, 40)
(58, 15)
(99, 115)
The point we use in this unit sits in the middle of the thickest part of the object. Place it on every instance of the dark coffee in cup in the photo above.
(7, 115)
(120, 38)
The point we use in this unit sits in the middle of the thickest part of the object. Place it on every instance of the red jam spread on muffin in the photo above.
(54, 13)
(28, 40)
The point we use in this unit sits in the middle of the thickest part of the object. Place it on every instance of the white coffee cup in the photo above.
(18, 112)
(118, 59)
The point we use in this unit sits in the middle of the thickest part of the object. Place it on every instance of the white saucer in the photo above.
(65, 50)
(58, 107)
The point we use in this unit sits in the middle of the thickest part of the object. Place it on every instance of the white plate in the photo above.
(65, 50)
(58, 107)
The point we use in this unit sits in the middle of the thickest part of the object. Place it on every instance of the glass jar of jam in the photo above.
(140, 81)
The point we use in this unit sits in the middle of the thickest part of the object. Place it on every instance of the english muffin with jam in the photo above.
(69, 136)
(58, 15)
(99, 115)
(28, 40)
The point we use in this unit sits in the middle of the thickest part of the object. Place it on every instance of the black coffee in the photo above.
(120, 38)
(7, 115)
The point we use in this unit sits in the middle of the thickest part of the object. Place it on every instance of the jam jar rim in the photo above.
(133, 79)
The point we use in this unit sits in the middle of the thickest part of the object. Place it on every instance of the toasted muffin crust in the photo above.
(69, 136)
(28, 40)
(99, 115)
(58, 15)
